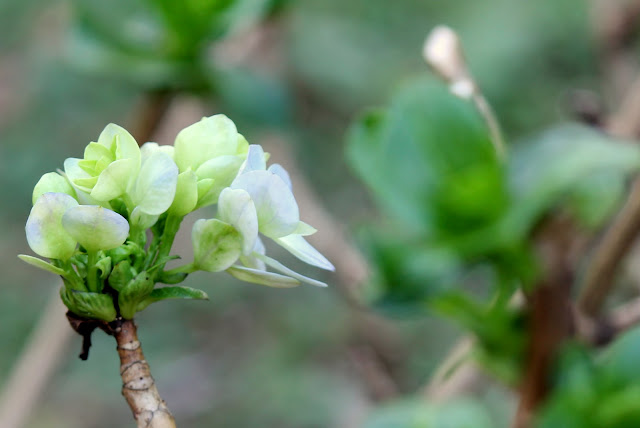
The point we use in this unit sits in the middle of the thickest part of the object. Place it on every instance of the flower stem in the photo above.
(171, 226)
(92, 271)
(138, 387)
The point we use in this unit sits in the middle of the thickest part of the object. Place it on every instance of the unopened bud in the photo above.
(443, 52)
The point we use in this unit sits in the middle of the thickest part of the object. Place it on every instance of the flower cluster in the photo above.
(91, 220)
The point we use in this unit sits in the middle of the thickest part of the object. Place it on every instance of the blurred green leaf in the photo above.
(566, 161)
(429, 161)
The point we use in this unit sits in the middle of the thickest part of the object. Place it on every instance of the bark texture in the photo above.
(138, 386)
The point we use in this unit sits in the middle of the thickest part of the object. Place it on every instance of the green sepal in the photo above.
(133, 293)
(172, 278)
(104, 266)
(39, 263)
(121, 275)
(89, 305)
(165, 293)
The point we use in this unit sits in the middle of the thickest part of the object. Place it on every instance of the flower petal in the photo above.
(211, 137)
(95, 228)
(45, 233)
(216, 245)
(74, 173)
(285, 270)
(236, 208)
(52, 182)
(255, 160)
(221, 169)
(155, 188)
(115, 180)
(148, 148)
(300, 248)
(186, 194)
(278, 170)
(261, 277)
(118, 138)
(277, 209)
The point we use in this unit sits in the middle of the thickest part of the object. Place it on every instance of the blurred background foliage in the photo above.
(255, 356)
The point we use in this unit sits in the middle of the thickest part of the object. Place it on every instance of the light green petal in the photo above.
(222, 169)
(118, 138)
(141, 219)
(41, 264)
(216, 245)
(115, 180)
(95, 228)
(45, 233)
(88, 166)
(277, 209)
(211, 137)
(96, 151)
(236, 208)
(300, 248)
(74, 173)
(285, 270)
(206, 195)
(155, 188)
(186, 194)
(261, 277)
(52, 182)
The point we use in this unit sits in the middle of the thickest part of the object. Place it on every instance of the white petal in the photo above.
(300, 248)
(285, 270)
(255, 160)
(236, 208)
(95, 228)
(74, 172)
(45, 233)
(155, 188)
(277, 209)
(269, 279)
(251, 261)
(278, 170)
(147, 149)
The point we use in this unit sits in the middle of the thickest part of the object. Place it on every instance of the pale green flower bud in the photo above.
(45, 233)
(214, 150)
(52, 182)
(216, 245)
(95, 228)
(109, 167)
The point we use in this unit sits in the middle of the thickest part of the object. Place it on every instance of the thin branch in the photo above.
(138, 387)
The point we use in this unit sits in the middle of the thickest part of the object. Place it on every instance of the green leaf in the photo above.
(121, 275)
(165, 293)
(104, 266)
(563, 162)
(429, 161)
(133, 293)
(89, 305)
(39, 263)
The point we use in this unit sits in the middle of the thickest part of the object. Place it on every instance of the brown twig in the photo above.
(138, 387)
(551, 321)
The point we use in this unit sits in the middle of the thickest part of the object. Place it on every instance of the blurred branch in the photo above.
(37, 363)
